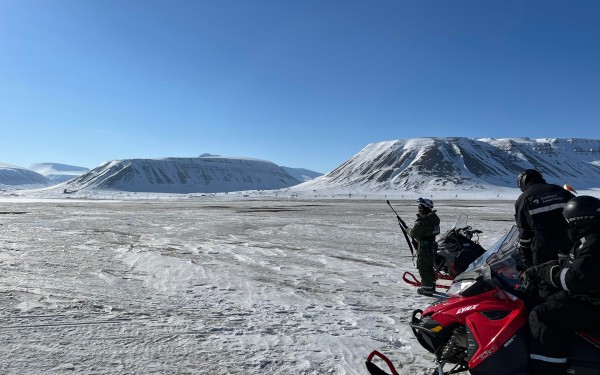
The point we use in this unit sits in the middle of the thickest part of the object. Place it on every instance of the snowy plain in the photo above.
(213, 285)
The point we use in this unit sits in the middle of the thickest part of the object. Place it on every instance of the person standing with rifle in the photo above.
(426, 227)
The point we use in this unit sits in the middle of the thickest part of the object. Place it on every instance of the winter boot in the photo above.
(426, 290)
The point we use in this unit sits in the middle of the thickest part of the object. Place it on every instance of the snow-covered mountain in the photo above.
(13, 177)
(406, 165)
(301, 174)
(438, 164)
(207, 174)
(58, 173)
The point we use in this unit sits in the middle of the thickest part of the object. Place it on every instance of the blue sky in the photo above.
(300, 83)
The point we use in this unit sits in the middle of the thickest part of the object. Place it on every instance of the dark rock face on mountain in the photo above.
(208, 174)
(463, 163)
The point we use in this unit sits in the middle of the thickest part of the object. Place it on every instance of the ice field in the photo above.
(213, 286)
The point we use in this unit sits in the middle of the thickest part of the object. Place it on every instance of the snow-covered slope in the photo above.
(58, 173)
(13, 177)
(209, 174)
(438, 164)
(301, 174)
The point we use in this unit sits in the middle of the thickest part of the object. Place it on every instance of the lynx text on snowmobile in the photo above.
(483, 328)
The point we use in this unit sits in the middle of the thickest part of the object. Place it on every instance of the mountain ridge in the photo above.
(403, 165)
(184, 175)
(451, 163)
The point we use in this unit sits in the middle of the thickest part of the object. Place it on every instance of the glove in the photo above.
(531, 276)
(546, 271)
(526, 255)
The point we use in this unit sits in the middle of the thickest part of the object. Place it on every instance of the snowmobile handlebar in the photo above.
(467, 231)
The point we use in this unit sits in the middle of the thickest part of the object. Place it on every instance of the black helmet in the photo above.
(583, 215)
(527, 176)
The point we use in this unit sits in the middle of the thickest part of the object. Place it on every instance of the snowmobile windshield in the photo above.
(497, 261)
(461, 222)
(499, 258)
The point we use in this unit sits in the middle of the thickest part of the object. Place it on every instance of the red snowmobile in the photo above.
(482, 327)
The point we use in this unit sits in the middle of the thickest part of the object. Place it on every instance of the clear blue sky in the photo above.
(301, 83)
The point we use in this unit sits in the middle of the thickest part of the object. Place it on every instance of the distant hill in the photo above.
(58, 173)
(207, 174)
(301, 174)
(13, 177)
(438, 164)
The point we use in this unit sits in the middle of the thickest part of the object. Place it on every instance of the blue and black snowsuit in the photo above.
(543, 232)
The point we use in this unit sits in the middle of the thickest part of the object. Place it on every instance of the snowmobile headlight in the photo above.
(459, 287)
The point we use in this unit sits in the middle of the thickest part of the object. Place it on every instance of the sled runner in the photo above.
(374, 370)
(411, 279)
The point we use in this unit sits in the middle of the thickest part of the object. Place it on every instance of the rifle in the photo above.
(411, 244)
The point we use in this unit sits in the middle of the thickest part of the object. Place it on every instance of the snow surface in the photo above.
(220, 284)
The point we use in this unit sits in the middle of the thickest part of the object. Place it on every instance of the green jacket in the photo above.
(426, 227)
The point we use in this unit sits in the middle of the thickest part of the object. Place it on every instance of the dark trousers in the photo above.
(543, 254)
(552, 325)
(425, 259)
